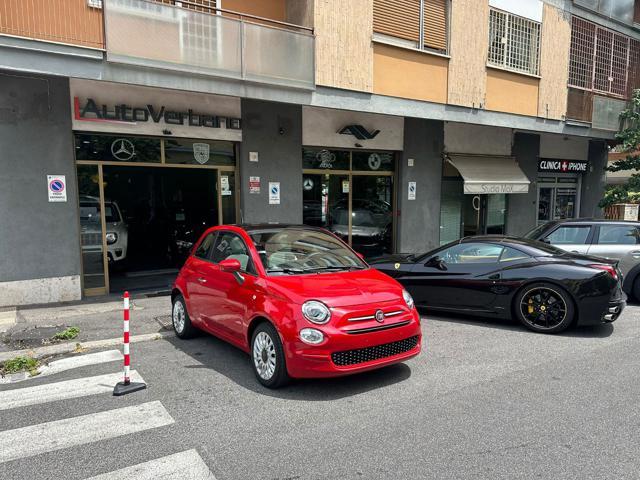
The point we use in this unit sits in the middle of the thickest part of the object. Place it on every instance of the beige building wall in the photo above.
(468, 50)
(401, 72)
(554, 62)
(511, 92)
(344, 51)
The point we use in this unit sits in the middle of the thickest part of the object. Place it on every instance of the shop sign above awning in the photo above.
(484, 174)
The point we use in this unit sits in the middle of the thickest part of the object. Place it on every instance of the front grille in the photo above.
(361, 355)
(90, 239)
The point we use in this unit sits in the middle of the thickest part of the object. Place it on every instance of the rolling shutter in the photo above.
(398, 18)
(435, 24)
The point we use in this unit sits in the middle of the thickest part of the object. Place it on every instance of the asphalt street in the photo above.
(486, 399)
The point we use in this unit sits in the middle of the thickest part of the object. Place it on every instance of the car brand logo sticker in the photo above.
(326, 158)
(122, 149)
(379, 316)
(201, 152)
(307, 184)
(374, 161)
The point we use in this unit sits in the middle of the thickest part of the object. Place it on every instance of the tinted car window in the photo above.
(618, 235)
(536, 232)
(205, 247)
(511, 254)
(230, 246)
(569, 234)
(466, 253)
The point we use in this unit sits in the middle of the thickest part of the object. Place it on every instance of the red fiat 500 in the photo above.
(297, 299)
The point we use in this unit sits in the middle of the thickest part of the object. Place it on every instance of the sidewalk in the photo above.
(99, 322)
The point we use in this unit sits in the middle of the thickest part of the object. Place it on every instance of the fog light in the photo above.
(311, 336)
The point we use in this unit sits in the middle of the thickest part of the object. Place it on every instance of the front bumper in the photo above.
(342, 353)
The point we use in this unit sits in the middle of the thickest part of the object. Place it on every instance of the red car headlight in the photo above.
(316, 312)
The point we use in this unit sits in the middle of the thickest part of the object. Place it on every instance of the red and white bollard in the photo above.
(127, 386)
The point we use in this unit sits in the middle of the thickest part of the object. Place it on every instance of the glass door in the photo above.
(557, 199)
(92, 228)
(372, 214)
(326, 202)
(484, 214)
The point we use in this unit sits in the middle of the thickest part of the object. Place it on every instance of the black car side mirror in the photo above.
(545, 240)
(436, 262)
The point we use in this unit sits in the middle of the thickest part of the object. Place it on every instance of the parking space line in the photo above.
(51, 392)
(51, 436)
(186, 465)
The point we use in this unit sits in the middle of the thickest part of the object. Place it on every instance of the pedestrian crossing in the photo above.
(77, 431)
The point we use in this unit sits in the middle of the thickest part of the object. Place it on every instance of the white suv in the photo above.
(116, 234)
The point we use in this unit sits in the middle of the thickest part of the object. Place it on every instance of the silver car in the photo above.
(615, 239)
(90, 228)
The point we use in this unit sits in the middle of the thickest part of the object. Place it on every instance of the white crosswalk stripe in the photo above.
(69, 432)
(51, 392)
(81, 361)
(180, 466)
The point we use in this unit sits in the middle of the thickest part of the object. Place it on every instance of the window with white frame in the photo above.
(514, 42)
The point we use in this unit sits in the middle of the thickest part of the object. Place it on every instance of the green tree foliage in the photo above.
(629, 137)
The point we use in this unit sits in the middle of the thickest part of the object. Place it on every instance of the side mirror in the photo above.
(545, 240)
(230, 265)
(436, 262)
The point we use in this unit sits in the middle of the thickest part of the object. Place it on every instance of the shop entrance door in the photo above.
(558, 198)
(351, 194)
(484, 214)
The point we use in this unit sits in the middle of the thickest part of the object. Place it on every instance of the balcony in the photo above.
(71, 22)
(157, 35)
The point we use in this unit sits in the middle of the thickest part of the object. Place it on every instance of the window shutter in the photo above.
(435, 24)
(398, 18)
(580, 105)
(636, 12)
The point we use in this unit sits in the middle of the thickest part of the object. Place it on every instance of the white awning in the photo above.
(484, 174)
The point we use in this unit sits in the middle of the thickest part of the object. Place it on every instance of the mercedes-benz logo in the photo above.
(122, 149)
(379, 316)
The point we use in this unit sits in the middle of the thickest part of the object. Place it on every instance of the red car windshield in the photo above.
(297, 251)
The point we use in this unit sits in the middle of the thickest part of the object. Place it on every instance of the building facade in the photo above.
(128, 126)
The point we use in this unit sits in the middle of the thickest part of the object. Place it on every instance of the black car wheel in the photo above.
(544, 308)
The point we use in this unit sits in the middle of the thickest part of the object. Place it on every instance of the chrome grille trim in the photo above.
(395, 313)
(357, 331)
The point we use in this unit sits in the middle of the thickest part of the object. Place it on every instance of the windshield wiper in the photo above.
(285, 270)
(335, 268)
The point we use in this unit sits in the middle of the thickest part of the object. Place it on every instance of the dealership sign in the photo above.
(106, 107)
(92, 112)
(562, 166)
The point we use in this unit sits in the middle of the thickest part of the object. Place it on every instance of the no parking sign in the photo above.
(57, 187)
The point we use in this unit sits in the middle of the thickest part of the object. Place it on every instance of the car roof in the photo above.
(578, 221)
(258, 227)
(532, 247)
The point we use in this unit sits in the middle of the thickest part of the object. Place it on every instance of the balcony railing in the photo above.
(158, 35)
(72, 22)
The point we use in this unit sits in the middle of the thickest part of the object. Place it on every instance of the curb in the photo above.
(70, 347)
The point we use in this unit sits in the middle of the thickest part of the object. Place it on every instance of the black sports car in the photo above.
(546, 288)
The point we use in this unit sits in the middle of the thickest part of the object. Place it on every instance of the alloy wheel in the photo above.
(543, 307)
(264, 355)
(178, 316)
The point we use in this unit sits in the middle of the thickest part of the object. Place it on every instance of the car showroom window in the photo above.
(511, 254)
(231, 246)
(472, 253)
(204, 248)
(570, 234)
(618, 235)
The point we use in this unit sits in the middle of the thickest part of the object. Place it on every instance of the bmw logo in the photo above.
(379, 316)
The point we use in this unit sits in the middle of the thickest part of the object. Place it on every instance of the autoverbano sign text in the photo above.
(92, 112)
(562, 166)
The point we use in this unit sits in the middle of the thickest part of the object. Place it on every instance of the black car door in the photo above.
(458, 277)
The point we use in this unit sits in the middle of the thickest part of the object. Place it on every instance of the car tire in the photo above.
(180, 319)
(544, 308)
(267, 357)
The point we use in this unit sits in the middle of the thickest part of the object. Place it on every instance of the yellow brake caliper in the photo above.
(530, 306)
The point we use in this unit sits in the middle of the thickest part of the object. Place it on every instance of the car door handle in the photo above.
(495, 276)
(202, 280)
(635, 253)
(575, 251)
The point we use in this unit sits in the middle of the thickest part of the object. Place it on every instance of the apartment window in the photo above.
(621, 10)
(602, 60)
(206, 6)
(514, 42)
(420, 24)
